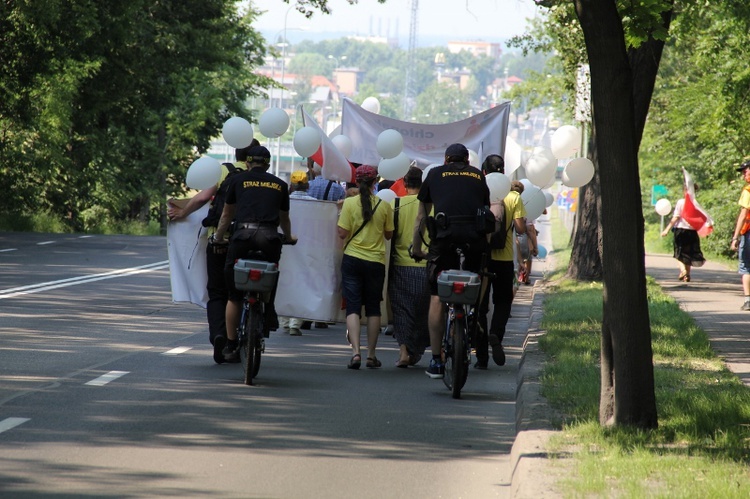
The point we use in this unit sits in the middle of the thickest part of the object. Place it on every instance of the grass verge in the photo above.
(702, 446)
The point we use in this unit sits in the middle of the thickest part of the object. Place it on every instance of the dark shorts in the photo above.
(443, 256)
(244, 242)
(362, 284)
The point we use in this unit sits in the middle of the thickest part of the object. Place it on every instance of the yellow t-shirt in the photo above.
(745, 197)
(369, 244)
(408, 207)
(514, 208)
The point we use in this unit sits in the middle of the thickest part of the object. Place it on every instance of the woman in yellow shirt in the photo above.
(364, 224)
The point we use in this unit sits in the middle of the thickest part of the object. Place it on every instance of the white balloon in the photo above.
(427, 170)
(499, 185)
(663, 206)
(306, 141)
(343, 144)
(237, 132)
(386, 195)
(512, 155)
(549, 199)
(274, 122)
(541, 166)
(390, 143)
(335, 131)
(578, 172)
(474, 159)
(534, 200)
(205, 172)
(394, 168)
(371, 104)
(565, 141)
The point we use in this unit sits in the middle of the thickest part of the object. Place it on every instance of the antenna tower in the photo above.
(409, 98)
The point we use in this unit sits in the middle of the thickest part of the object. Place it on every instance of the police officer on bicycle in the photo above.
(258, 203)
(459, 195)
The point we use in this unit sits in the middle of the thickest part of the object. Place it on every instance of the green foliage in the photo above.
(703, 408)
(110, 102)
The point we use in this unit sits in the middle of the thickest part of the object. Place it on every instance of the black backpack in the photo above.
(217, 203)
(500, 235)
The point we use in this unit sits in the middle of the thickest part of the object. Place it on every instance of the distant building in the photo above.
(348, 80)
(477, 48)
(391, 42)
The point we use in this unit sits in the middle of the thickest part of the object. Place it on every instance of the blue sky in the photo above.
(488, 20)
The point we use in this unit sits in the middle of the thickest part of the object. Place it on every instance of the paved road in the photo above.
(107, 389)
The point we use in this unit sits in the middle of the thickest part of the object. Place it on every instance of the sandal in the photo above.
(355, 361)
(373, 363)
(404, 363)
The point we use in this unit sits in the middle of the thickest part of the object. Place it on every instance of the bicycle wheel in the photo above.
(460, 370)
(448, 353)
(250, 338)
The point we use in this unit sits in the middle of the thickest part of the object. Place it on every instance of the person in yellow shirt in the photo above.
(408, 289)
(741, 238)
(364, 224)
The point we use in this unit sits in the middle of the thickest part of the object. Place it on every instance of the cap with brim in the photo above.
(743, 166)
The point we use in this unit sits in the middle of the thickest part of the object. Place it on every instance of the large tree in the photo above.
(103, 104)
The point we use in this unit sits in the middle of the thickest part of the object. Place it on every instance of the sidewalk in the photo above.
(713, 298)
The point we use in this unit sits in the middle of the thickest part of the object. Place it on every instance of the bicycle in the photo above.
(257, 278)
(459, 291)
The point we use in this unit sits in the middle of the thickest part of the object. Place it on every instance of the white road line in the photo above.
(44, 243)
(8, 249)
(177, 351)
(46, 286)
(106, 378)
(8, 423)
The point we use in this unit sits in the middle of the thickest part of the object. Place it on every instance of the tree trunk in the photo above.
(627, 391)
(585, 258)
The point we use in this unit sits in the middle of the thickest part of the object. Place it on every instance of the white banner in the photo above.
(310, 271)
(186, 247)
(424, 143)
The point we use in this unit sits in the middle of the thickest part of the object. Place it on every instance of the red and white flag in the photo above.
(334, 165)
(693, 213)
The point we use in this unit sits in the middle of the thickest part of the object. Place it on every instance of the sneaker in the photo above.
(231, 354)
(305, 325)
(498, 354)
(388, 330)
(219, 343)
(746, 306)
(295, 332)
(436, 369)
(321, 325)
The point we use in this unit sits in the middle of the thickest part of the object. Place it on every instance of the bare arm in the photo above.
(520, 225)
(737, 228)
(669, 226)
(416, 240)
(343, 233)
(174, 212)
(388, 234)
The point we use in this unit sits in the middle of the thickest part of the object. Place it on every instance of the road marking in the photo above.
(177, 351)
(46, 286)
(8, 423)
(44, 243)
(106, 378)
(8, 249)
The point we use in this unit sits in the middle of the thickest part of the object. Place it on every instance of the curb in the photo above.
(532, 475)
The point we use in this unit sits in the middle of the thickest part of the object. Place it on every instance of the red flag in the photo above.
(692, 212)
